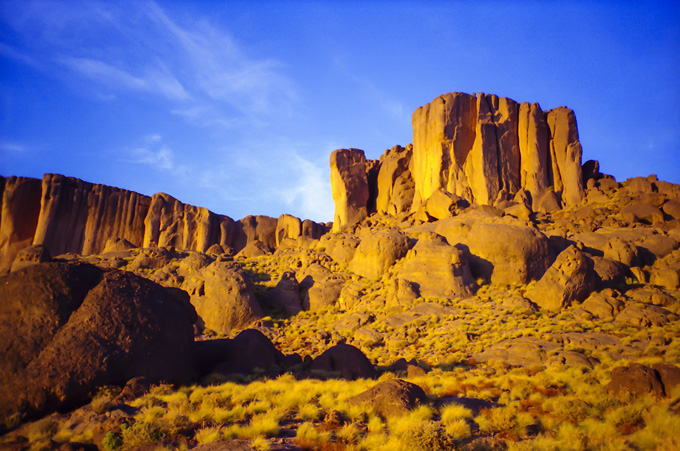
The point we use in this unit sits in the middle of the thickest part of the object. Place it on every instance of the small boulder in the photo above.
(117, 245)
(31, 255)
(672, 208)
(665, 276)
(253, 249)
(392, 397)
(636, 380)
(570, 279)
(224, 297)
(250, 349)
(440, 204)
(643, 315)
(604, 305)
(346, 360)
(669, 375)
(150, 259)
(610, 272)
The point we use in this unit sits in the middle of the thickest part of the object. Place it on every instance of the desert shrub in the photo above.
(458, 429)
(453, 412)
(208, 434)
(141, 434)
(308, 437)
(309, 412)
(508, 421)
(425, 436)
(112, 441)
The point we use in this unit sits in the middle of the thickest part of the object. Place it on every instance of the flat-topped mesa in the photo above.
(68, 215)
(475, 146)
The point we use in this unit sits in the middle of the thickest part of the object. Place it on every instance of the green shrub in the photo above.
(112, 441)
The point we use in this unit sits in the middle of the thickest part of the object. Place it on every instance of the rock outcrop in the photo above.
(473, 147)
(68, 215)
(349, 185)
(66, 329)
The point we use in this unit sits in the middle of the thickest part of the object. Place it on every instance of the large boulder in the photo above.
(501, 253)
(623, 251)
(341, 247)
(391, 397)
(223, 297)
(570, 279)
(436, 268)
(636, 380)
(250, 349)
(66, 329)
(378, 251)
(349, 186)
(285, 296)
(346, 360)
(641, 212)
(324, 291)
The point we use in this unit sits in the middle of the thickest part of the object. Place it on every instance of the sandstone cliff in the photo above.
(477, 148)
(474, 146)
(68, 215)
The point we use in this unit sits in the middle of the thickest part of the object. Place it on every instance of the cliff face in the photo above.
(479, 148)
(474, 146)
(18, 215)
(68, 215)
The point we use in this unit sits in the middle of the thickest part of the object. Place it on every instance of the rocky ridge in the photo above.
(68, 215)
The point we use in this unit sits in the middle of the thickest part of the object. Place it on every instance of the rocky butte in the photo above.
(481, 149)
(528, 298)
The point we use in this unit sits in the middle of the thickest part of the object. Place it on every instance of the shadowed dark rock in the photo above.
(66, 329)
(347, 360)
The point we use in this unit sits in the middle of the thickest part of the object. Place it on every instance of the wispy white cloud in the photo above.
(153, 152)
(141, 47)
(12, 147)
(153, 79)
(311, 192)
(222, 71)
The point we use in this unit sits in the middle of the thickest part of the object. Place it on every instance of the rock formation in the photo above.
(349, 185)
(473, 147)
(66, 329)
(68, 215)
(18, 216)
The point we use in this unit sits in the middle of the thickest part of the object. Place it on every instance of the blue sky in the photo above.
(236, 106)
